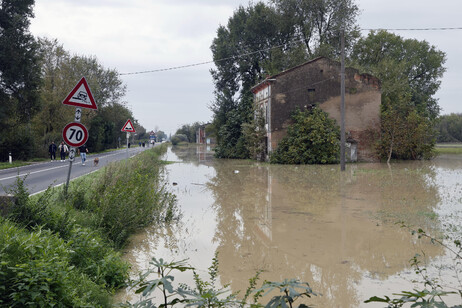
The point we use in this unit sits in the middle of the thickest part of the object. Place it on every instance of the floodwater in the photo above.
(335, 230)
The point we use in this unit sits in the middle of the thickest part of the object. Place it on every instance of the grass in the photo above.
(20, 163)
(448, 149)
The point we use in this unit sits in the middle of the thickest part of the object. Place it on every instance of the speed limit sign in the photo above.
(75, 134)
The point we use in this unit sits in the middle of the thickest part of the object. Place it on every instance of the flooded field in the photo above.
(335, 230)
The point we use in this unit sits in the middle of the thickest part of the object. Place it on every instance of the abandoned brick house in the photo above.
(317, 83)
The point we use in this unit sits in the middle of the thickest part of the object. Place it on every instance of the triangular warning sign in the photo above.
(81, 96)
(128, 127)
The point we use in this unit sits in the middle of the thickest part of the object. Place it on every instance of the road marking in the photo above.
(27, 173)
(34, 172)
(60, 184)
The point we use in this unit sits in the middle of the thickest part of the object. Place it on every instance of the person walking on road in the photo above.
(63, 149)
(52, 150)
(83, 153)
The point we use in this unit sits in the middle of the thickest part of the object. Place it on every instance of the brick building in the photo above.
(317, 83)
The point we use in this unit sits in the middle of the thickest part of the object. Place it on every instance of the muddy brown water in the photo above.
(337, 231)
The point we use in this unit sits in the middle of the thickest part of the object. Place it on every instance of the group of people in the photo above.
(64, 150)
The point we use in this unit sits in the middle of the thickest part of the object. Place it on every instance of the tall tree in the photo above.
(19, 76)
(241, 52)
(410, 72)
(317, 24)
(403, 66)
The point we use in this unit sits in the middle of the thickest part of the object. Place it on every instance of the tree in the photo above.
(410, 72)
(105, 127)
(450, 128)
(160, 135)
(313, 138)
(19, 77)
(316, 24)
(189, 130)
(239, 52)
(255, 136)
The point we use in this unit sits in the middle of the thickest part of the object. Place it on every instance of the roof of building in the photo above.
(269, 79)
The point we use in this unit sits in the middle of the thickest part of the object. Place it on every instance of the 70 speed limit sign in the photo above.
(75, 134)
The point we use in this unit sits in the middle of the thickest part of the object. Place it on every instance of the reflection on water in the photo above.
(334, 230)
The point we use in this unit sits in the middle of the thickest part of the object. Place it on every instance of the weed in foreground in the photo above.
(434, 291)
(205, 294)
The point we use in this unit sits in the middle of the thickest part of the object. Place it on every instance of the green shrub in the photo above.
(90, 253)
(311, 139)
(35, 271)
(178, 138)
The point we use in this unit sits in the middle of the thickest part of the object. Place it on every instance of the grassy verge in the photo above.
(66, 251)
(448, 148)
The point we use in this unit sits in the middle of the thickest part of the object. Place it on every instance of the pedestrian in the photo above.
(83, 150)
(129, 145)
(140, 144)
(143, 144)
(63, 149)
(52, 151)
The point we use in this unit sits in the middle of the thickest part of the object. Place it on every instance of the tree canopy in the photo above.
(410, 72)
(19, 76)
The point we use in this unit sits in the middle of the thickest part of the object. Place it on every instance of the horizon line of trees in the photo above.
(36, 74)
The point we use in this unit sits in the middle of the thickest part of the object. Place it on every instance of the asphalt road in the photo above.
(42, 175)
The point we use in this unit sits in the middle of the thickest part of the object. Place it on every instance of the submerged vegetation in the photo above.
(65, 252)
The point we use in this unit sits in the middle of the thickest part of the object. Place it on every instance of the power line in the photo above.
(415, 29)
(278, 46)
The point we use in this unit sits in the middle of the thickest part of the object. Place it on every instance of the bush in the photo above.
(176, 139)
(35, 271)
(90, 253)
(313, 138)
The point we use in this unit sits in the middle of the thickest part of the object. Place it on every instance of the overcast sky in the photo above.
(141, 35)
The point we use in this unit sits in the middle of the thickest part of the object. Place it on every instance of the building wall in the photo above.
(317, 83)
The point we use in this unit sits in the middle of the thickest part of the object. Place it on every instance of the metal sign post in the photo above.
(128, 128)
(77, 117)
(128, 137)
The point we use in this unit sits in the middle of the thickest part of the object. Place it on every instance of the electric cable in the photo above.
(278, 46)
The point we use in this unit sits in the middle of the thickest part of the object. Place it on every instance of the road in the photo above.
(42, 175)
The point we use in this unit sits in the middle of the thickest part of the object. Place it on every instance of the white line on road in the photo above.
(26, 173)
(48, 169)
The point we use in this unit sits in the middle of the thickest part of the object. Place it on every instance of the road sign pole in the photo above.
(77, 117)
(128, 137)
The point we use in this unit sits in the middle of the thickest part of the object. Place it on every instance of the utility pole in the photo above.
(342, 102)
